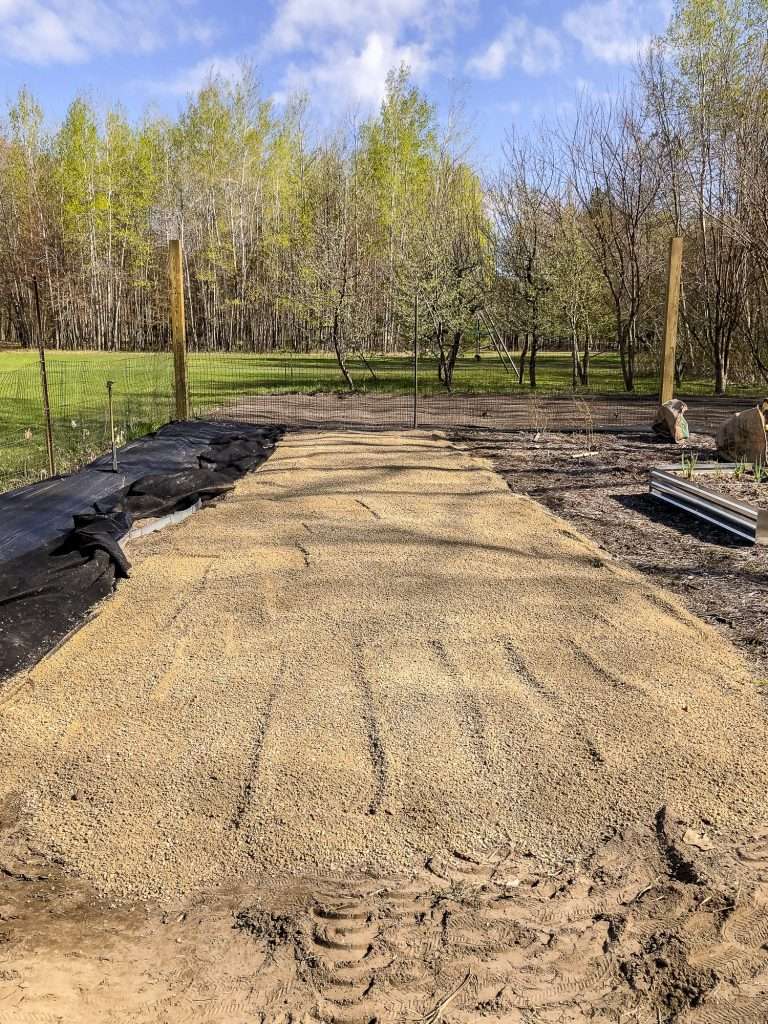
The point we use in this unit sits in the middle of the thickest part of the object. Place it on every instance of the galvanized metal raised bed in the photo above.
(671, 485)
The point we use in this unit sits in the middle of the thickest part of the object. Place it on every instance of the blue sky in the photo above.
(509, 63)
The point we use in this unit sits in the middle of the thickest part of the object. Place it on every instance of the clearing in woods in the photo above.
(376, 737)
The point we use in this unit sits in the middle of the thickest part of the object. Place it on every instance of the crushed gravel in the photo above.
(599, 483)
(372, 651)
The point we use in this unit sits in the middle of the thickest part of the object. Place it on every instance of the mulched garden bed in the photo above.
(741, 487)
(599, 482)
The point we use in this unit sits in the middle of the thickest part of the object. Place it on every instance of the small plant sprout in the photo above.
(688, 464)
(740, 468)
(758, 471)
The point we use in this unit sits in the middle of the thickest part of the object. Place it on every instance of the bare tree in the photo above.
(521, 200)
(616, 176)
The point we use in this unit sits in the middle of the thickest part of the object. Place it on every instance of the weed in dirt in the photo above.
(740, 468)
(539, 417)
(688, 464)
(758, 472)
(585, 413)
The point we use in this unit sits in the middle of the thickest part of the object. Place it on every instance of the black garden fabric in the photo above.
(60, 547)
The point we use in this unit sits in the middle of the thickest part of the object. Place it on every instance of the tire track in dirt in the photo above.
(418, 719)
(367, 507)
(372, 732)
(753, 855)
(482, 934)
(522, 670)
(259, 739)
(342, 941)
(518, 665)
(602, 672)
(507, 957)
(190, 596)
(467, 706)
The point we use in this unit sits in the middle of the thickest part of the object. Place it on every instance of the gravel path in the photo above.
(599, 484)
(370, 653)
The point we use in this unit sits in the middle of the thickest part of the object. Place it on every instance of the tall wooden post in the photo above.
(674, 270)
(415, 360)
(178, 329)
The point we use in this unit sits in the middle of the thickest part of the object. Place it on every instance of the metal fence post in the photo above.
(44, 383)
(674, 271)
(178, 328)
(110, 384)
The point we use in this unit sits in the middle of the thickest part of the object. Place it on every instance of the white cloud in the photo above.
(191, 80)
(615, 31)
(343, 49)
(198, 31)
(301, 24)
(71, 31)
(532, 48)
(357, 75)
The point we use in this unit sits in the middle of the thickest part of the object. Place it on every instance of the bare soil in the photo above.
(599, 483)
(511, 411)
(377, 740)
(651, 928)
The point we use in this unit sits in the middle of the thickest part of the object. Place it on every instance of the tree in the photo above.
(522, 199)
(616, 176)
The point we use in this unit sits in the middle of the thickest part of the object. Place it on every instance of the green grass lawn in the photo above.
(78, 399)
(143, 392)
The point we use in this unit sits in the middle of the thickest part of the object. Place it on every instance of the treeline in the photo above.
(287, 244)
(351, 242)
(582, 217)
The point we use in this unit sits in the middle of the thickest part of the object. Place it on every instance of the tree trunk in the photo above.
(576, 369)
(532, 360)
(523, 355)
(721, 373)
(450, 359)
(585, 357)
(338, 349)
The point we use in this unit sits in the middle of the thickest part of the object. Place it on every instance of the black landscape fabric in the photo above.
(60, 547)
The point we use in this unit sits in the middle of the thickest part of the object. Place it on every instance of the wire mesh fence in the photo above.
(312, 389)
(309, 389)
(77, 389)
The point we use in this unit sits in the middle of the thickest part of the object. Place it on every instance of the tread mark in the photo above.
(246, 790)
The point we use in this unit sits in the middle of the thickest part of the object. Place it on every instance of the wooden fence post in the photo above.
(416, 360)
(178, 329)
(674, 271)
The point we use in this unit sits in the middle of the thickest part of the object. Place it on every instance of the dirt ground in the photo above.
(599, 483)
(376, 739)
(449, 411)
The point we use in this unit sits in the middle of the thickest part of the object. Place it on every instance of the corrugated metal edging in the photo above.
(738, 517)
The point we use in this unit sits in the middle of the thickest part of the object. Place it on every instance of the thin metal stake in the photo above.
(416, 361)
(44, 384)
(112, 425)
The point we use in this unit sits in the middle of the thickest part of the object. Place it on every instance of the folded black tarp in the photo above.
(59, 540)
